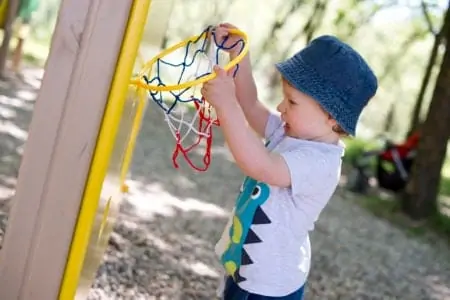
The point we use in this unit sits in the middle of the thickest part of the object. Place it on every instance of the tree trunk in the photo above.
(415, 119)
(389, 120)
(420, 198)
(13, 6)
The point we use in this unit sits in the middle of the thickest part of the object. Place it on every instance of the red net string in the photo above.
(205, 126)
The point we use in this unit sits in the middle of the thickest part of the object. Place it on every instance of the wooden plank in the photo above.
(58, 152)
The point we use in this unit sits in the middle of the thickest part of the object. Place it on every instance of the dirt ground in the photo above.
(162, 246)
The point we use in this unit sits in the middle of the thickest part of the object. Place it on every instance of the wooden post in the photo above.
(62, 137)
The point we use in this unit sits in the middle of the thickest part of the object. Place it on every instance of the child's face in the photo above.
(304, 118)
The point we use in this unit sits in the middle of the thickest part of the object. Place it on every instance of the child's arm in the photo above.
(255, 112)
(247, 149)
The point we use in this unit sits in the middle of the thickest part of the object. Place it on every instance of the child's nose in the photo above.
(280, 107)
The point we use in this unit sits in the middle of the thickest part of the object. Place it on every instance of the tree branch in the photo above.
(426, 14)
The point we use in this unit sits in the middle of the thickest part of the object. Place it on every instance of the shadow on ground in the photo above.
(17, 98)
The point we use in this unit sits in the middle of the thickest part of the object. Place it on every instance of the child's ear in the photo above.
(331, 121)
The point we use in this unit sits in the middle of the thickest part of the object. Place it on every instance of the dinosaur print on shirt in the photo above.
(248, 213)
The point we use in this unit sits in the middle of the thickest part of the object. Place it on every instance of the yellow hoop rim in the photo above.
(147, 66)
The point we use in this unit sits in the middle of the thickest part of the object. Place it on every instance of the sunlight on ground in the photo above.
(13, 130)
(8, 180)
(160, 243)
(26, 95)
(18, 102)
(440, 290)
(157, 241)
(22, 101)
(200, 268)
(154, 199)
(7, 191)
(184, 182)
(7, 113)
(33, 77)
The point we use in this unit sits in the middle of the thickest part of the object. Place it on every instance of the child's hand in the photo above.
(220, 91)
(231, 44)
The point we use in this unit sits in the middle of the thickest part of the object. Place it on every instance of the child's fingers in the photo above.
(219, 71)
(221, 33)
(204, 90)
(227, 25)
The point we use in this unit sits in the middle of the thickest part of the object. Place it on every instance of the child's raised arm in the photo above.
(250, 154)
(255, 112)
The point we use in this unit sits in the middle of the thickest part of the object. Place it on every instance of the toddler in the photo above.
(265, 248)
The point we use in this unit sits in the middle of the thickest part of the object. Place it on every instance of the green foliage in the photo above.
(441, 223)
(354, 147)
(445, 186)
(44, 20)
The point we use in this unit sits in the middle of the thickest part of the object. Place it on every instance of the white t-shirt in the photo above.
(265, 245)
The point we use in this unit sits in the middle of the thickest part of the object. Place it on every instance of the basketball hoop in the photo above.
(173, 80)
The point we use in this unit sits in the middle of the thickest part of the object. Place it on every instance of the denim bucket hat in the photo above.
(335, 75)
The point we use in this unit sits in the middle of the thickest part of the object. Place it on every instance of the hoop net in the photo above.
(174, 79)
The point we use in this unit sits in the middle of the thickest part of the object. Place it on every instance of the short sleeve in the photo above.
(315, 174)
(274, 128)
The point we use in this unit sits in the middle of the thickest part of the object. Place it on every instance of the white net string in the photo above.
(176, 118)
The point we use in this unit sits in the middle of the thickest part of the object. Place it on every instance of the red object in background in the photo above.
(403, 149)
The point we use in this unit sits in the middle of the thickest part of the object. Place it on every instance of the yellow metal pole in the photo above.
(104, 147)
(141, 103)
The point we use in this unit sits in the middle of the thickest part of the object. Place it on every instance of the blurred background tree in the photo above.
(9, 13)
(420, 199)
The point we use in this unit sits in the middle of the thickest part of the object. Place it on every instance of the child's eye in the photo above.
(291, 102)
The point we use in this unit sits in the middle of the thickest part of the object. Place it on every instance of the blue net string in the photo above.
(188, 61)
